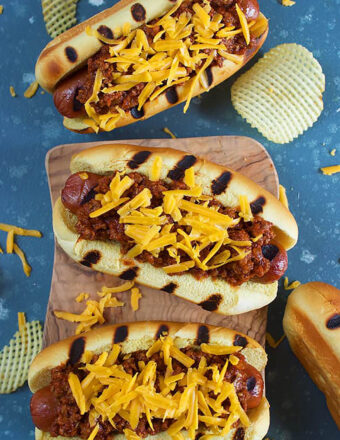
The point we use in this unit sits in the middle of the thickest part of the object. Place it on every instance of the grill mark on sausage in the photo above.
(138, 12)
(251, 382)
(270, 251)
(209, 75)
(138, 159)
(71, 54)
(137, 114)
(333, 322)
(89, 196)
(170, 288)
(121, 334)
(211, 304)
(105, 31)
(162, 329)
(178, 172)
(220, 184)
(239, 434)
(90, 258)
(202, 335)
(257, 205)
(76, 350)
(171, 95)
(240, 341)
(129, 274)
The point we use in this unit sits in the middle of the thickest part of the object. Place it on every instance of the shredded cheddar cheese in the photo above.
(31, 90)
(10, 242)
(288, 3)
(135, 297)
(169, 132)
(12, 91)
(179, 45)
(107, 390)
(1, 9)
(82, 296)
(21, 321)
(328, 171)
(27, 268)
(271, 341)
(151, 228)
(290, 286)
(283, 196)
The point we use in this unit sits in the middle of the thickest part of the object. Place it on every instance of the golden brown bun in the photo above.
(214, 295)
(312, 325)
(140, 336)
(54, 62)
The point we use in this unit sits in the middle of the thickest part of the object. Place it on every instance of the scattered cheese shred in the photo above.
(20, 231)
(1, 9)
(135, 297)
(271, 341)
(94, 432)
(12, 91)
(290, 286)
(283, 196)
(10, 242)
(288, 3)
(32, 89)
(169, 132)
(27, 268)
(328, 171)
(1, 250)
(244, 24)
(156, 169)
(82, 296)
(21, 321)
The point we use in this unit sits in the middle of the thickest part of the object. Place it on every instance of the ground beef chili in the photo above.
(107, 227)
(70, 423)
(129, 99)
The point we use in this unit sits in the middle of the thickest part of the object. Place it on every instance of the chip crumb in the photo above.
(332, 152)
(290, 286)
(288, 3)
(271, 341)
(328, 171)
(32, 89)
(169, 132)
(12, 91)
(283, 196)
(270, 90)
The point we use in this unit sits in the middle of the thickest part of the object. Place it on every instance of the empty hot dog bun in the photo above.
(133, 337)
(220, 185)
(312, 325)
(69, 66)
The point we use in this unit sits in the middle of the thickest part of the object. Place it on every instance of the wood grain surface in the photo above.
(69, 278)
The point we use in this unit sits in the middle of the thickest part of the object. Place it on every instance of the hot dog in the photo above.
(136, 59)
(176, 223)
(150, 365)
(312, 325)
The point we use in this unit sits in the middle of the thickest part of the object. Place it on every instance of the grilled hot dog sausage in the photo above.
(65, 94)
(44, 408)
(250, 8)
(78, 190)
(278, 262)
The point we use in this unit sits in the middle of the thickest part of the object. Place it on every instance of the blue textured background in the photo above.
(29, 128)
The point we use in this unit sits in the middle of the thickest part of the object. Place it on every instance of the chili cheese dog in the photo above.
(150, 379)
(312, 325)
(177, 223)
(134, 60)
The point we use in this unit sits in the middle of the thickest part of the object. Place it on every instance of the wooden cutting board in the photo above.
(69, 278)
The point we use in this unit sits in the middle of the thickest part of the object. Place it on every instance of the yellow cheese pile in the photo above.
(151, 230)
(94, 311)
(108, 390)
(168, 58)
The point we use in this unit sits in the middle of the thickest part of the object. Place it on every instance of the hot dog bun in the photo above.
(140, 336)
(312, 325)
(216, 295)
(70, 51)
